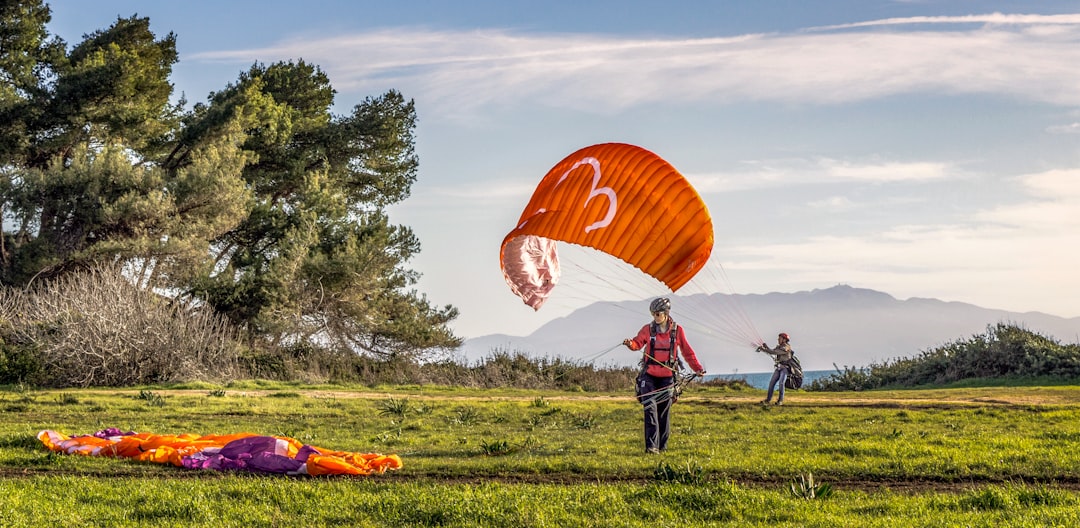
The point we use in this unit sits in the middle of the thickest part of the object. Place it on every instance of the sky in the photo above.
(919, 148)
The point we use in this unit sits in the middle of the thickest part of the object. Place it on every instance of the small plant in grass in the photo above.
(584, 421)
(387, 436)
(539, 401)
(465, 416)
(803, 487)
(393, 407)
(496, 447)
(216, 393)
(151, 398)
(689, 474)
(67, 399)
(530, 443)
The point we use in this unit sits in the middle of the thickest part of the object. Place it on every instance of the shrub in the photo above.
(394, 407)
(496, 447)
(94, 327)
(18, 355)
(846, 379)
(19, 363)
(1004, 351)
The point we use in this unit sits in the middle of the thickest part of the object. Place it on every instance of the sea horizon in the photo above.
(760, 380)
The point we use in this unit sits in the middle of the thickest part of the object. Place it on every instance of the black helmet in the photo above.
(662, 304)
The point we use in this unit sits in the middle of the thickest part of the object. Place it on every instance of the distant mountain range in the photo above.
(841, 326)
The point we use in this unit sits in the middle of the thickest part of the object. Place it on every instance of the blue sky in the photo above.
(920, 148)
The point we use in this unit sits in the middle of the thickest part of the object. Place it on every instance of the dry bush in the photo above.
(12, 308)
(11, 304)
(96, 328)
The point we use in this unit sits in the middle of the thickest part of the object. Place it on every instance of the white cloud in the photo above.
(884, 171)
(1071, 128)
(802, 171)
(463, 70)
(991, 19)
(833, 203)
(1054, 210)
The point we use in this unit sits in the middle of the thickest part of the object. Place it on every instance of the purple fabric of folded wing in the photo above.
(260, 454)
(111, 432)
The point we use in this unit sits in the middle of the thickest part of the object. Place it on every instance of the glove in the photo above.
(627, 342)
(700, 373)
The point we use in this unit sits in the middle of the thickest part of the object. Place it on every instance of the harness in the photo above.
(673, 364)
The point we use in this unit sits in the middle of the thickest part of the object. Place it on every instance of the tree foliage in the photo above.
(316, 257)
(80, 182)
(259, 202)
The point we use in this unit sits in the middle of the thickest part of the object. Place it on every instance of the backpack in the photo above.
(794, 378)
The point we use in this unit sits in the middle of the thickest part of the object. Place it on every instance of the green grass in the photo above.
(240, 501)
(999, 456)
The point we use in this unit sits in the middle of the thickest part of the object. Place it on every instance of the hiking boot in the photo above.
(779, 403)
(764, 402)
(652, 451)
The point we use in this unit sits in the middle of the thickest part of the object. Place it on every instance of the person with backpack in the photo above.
(782, 357)
(661, 340)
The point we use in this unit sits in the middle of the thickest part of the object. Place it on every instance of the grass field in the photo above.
(1000, 456)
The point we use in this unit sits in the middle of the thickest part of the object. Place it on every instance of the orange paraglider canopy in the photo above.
(617, 198)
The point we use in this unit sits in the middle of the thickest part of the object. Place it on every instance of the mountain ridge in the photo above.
(836, 326)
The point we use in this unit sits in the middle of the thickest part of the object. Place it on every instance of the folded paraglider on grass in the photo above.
(233, 452)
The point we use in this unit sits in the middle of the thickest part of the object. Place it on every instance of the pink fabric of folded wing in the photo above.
(531, 268)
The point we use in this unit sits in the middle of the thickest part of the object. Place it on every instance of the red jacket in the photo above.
(663, 350)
